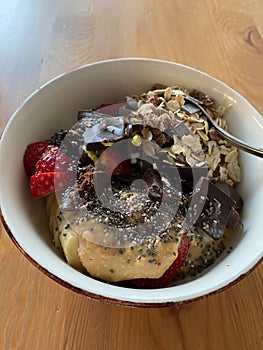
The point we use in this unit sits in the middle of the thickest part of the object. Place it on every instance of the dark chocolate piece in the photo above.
(104, 128)
(234, 217)
(154, 183)
(109, 129)
(187, 175)
(210, 208)
(191, 175)
(231, 192)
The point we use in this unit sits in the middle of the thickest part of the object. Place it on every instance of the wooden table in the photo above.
(40, 39)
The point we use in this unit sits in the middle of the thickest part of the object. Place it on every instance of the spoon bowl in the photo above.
(233, 140)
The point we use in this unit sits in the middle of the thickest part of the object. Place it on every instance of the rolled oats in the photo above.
(193, 142)
(224, 150)
(223, 174)
(197, 126)
(167, 93)
(173, 105)
(231, 156)
(234, 172)
(194, 118)
(206, 127)
(203, 136)
(176, 149)
(210, 145)
(216, 158)
(176, 92)
(197, 143)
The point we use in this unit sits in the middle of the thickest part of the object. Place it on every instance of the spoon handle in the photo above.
(256, 151)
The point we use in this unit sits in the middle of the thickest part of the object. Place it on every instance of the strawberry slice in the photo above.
(43, 184)
(32, 155)
(122, 168)
(170, 273)
(112, 109)
(111, 159)
(53, 159)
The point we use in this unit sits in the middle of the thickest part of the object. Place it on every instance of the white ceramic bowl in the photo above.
(55, 105)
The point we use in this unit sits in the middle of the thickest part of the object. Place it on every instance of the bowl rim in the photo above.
(79, 290)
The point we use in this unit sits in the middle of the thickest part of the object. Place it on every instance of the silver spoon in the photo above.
(256, 151)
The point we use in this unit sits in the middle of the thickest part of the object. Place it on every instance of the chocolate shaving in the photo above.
(86, 183)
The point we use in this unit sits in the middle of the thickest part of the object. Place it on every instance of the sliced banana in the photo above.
(53, 214)
(64, 236)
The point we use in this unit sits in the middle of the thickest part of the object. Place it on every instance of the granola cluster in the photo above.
(197, 143)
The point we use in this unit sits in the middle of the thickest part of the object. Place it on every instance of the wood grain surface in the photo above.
(40, 39)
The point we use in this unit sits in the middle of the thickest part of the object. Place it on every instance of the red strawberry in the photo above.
(32, 154)
(45, 183)
(169, 274)
(53, 159)
(111, 159)
(112, 109)
(123, 168)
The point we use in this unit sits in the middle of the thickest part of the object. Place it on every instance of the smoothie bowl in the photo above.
(117, 187)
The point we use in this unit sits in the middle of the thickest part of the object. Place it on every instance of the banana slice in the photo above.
(53, 213)
(64, 236)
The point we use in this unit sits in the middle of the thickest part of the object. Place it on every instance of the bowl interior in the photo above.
(55, 107)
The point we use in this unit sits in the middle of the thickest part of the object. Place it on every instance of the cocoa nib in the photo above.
(85, 182)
